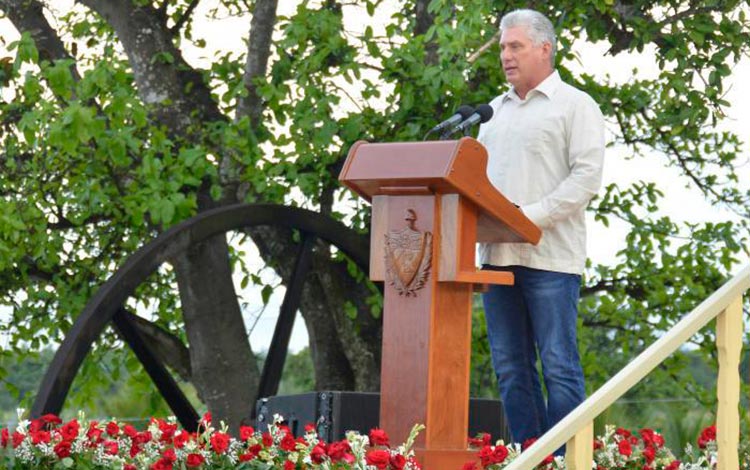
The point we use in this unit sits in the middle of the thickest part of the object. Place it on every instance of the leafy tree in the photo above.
(110, 136)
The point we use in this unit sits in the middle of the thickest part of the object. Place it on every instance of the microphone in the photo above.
(482, 114)
(461, 113)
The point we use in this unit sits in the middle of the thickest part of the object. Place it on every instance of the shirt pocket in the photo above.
(543, 135)
(546, 145)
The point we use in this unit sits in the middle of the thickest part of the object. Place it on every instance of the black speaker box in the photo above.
(334, 413)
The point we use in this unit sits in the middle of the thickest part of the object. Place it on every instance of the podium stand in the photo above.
(431, 203)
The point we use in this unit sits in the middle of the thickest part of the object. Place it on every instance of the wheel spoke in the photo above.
(274, 364)
(177, 401)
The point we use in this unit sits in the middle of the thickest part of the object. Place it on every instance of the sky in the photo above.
(681, 201)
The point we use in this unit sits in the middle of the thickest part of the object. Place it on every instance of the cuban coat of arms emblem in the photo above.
(408, 256)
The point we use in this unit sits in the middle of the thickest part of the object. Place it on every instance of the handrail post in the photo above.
(729, 346)
(579, 451)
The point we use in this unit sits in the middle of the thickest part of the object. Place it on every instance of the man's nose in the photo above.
(505, 55)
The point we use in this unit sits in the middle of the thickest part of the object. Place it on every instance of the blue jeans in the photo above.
(537, 315)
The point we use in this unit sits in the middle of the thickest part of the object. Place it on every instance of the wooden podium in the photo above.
(431, 203)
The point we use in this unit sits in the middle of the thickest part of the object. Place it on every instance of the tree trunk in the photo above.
(223, 365)
(345, 351)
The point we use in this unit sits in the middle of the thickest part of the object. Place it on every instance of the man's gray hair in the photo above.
(538, 27)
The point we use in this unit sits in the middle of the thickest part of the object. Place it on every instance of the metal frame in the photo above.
(107, 304)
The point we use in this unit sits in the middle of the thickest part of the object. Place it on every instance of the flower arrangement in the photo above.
(48, 443)
(616, 449)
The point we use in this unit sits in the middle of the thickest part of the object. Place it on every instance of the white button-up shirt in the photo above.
(545, 154)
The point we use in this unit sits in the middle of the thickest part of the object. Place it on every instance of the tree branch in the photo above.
(424, 20)
(622, 37)
(258, 51)
(177, 92)
(28, 16)
(687, 13)
(185, 16)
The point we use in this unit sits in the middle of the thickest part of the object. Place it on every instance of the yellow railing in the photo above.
(576, 429)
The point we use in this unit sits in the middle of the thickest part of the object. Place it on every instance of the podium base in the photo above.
(445, 459)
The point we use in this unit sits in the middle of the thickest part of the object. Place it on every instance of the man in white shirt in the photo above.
(546, 150)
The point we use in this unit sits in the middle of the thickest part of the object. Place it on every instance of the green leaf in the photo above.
(166, 211)
(265, 293)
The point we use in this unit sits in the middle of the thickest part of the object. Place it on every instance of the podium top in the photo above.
(438, 167)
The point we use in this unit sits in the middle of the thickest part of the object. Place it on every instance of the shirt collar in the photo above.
(548, 87)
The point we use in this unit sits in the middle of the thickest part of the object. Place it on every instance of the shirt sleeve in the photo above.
(585, 160)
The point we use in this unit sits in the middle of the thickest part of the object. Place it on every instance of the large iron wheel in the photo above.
(108, 303)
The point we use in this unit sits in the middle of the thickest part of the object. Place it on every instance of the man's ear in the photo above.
(547, 49)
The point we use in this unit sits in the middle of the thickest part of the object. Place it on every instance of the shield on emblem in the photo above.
(408, 254)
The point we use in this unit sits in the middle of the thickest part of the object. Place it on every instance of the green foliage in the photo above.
(298, 375)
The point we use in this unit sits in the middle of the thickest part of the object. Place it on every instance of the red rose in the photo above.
(378, 458)
(195, 460)
(339, 451)
(112, 429)
(246, 432)
(528, 442)
(49, 418)
(70, 430)
(40, 437)
(309, 427)
(490, 455)
(162, 464)
(36, 425)
(220, 442)
(499, 454)
(288, 443)
(251, 453)
(94, 435)
(129, 466)
(289, 465)
(598, 444)
(622, 432)
(17, 438)
(625, 448)
(649, 453)
(135, 449)
(398, 461)
(180, 439)
(469, 466)
(167, 431)
(318, 453)
(142, 437)
(111, 447)
(482, 439)
(4, 437)
(62, 449)
(255, 449)
(659, 441)
(130, 431)
(378, 437)
(707, 435)
(267, 440)
(485, 456)
(170, 455)
(206, 419)
(675, 465)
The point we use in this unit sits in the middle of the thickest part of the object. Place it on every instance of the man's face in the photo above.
(525, 64)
